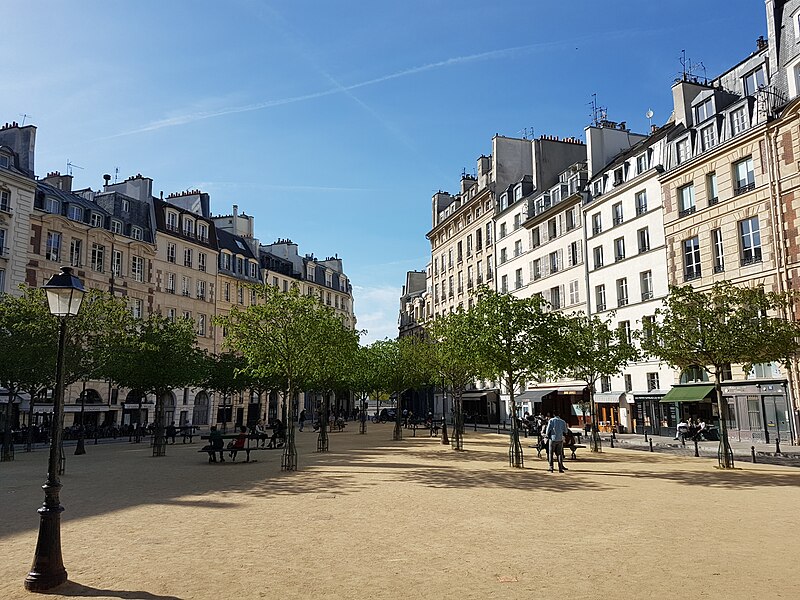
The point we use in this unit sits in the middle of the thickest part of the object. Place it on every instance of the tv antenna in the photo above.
(599, 114)
(24, 116)
(71, 166)
(690, 70)
(526, 131)
(649, 114)
(116, 174)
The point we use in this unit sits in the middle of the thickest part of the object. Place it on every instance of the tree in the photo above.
(712, 329)
(277, 339)
(593, 349)
(515, 339)
(452, 356)
(28, 347)
(362, 379)
(224, 374)
(154, 355)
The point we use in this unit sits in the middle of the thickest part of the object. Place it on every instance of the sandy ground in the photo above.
(412, 519)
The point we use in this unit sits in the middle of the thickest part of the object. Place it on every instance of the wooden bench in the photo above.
(572, 449)
(247, 449)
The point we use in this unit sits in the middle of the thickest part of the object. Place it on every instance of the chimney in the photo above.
(235, 219)
(683, 92)
(761, 43)
(59, 181)
(106, 180)
(21, 140)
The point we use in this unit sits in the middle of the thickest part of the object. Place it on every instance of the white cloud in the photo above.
(377, 309)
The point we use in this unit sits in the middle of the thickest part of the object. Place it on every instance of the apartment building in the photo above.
(627, 264)
(17, 190)
(413, 304)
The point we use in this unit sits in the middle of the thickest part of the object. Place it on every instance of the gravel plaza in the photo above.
(379, 519)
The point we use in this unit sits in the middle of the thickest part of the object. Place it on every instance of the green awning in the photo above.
(688, 393)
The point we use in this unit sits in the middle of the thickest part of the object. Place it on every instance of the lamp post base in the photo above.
(48, 569)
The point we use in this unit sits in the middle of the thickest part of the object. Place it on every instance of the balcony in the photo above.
(170, 290)
(713, 201)
(170, 227)
(647, 295)
(622, 301)
(751, 260)
(687, 211)
(719, 268)
(202, 268)
(186, 293)
(601, 307)
(596, 230)
(4, 252)
(692, 275)
(748, 187)
(5, 207)
(641, 209)
(618, 220)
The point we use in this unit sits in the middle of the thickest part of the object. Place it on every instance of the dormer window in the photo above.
(5, 201)
(226, 261)
(253, 270)
(704, 110)
(517, 193)
(172, 221)
(137, 233)
(597, 188)
(188, 227)
(202, 231)
(738, 120)
(618, 176)
(503, 201)
(5, 161)
(641, 163)
(126, 206)
(75, 212)
(96, 220)
(682, 150)
(53, 206)
(116, 226)
(754, 81)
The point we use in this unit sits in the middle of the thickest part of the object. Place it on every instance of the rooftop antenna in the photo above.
(116, 174)
(24, 116)
(599, 114)
(526, 131)
(690, 70)
(71, 166)
(649, 114)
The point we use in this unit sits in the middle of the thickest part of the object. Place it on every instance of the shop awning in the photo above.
(76, 408)
(533, 395)
(607, 398)
(571, 389)
(688, 393)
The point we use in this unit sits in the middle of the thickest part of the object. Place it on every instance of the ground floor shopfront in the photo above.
(756, 411)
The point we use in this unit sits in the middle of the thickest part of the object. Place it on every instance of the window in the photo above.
(571, 220)
(489, 268)
(136, 308)
(5, 161)
(711, 189)
(5, 201)
(652, 382)
(517, 193)
(240, 294)
(517, 221)
(754, 412)
(172, 221)
(763, 371)
(552, 229)
(116, 226)
(502, 233)
(450, 286)
(503, 256)
(202, 232)
(75, 212)
(646, 283)
(754, 80)
(52, 206)
(187, 257)
(686, 200)
(201, 261)
(641, 163)
(625, 331)
(555, 263)
(555, 297)
(449, 258)
(201, 289)
(535, 240)
(76, 253)
(618, 176)
(460, 282)
(597, 188)
(536, 269)
(518, 279)
(598, 257)
(170, 283)
(137, 233)
(53, 249)
(2, 280)
(137, 268)
(171, 253)
(574, 251)
(517, 247)
(126, 206)
(479, 272)
(116, 263)
(225, 258)
(201, 325)
(616, 211)
(743, 176)
(3, 249)
(253, 270)
(708, 137)
(704, 110)
(188, 227)
(751, 241)
(628, 383)
(488, 234)
(240, 265)
(96, 220)
(470, 281)
(682, 150)
(98, 257)
(504, 284)
(648, 321)
(597, 223)
(643, 237)
(478, 240)
(738, 121)
(227, 291)
(605, 384)
(619, 249)
(187, 315)
(185, 283)
(691, 258)
(622, 291)
(600, 297)
(574, 292)
(641, 202)
(719, 261)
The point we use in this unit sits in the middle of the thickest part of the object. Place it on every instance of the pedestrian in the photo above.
(171, 431)
(262, 434)
(302, 418)
(217, 444)
(554, 433)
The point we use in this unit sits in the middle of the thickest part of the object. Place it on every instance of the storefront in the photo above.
(687, 403)
(481, 406)
(612, 412)
(648, 411)
(758, 412)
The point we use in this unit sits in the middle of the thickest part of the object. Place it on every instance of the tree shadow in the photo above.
(77, 590)
(734, 479)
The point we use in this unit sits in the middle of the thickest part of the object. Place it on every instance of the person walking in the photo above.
(554, 434)
(302, 418)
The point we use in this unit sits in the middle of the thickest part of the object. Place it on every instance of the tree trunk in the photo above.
(725, 453)
(458, 423)
(29, 440)
(397, 433)
(363, 416)
(81, 447)
(159, 440)
(322, 436)
(515, 457)
(289, 458)
(7, 453)
(596, 444)
(445, 438)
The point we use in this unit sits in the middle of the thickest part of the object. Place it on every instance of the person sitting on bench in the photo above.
(278, 434)
(215, 444)
(238, 443)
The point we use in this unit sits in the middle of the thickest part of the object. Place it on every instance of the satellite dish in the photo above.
(649, 114)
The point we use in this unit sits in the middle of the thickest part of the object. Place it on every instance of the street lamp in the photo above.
(64, 296)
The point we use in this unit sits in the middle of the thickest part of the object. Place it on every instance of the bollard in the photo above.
(612, 440)
(498, 427)
(414, 430)
(777, 445)
(753, 453)
(696, 451)
(476, 425)
(651, 445)
(613, 435)
(645, 437)
(504, 425)
(683, 441)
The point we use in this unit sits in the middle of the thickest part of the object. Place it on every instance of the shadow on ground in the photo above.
(76, 590)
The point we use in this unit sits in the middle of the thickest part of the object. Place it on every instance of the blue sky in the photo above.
(333, 122)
